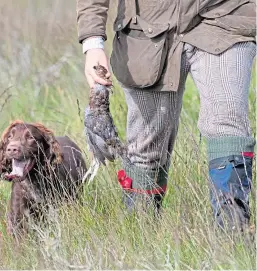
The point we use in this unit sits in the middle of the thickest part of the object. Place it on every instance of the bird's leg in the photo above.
(95, 168)
(92, 171)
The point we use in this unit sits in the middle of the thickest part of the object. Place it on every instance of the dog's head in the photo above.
(23, 144)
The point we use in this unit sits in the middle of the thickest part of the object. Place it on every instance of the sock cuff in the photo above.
(146, 179)
(229, 145)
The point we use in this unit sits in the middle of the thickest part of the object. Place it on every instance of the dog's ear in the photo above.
(7, 130)
(54, 147)
(2, 158)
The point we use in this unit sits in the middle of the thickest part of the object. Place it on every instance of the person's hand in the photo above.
(94, 57)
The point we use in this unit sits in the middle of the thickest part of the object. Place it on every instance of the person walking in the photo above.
(156, 45)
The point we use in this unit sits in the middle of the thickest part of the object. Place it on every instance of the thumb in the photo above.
(108, 74)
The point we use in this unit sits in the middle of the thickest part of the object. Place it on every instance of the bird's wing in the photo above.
(100, 124)
(98, 146)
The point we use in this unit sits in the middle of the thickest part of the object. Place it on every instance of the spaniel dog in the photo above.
(43, 169)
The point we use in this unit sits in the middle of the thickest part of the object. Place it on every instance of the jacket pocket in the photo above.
(238, 25)
(236, 17)
(220, 10)
(138, 56)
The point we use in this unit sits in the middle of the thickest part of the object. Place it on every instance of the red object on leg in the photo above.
(124, 180)
(248, 154)
(126, 183)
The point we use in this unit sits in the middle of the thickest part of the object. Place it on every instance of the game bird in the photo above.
(101, 133)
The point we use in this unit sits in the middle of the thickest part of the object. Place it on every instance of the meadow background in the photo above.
(42, 79)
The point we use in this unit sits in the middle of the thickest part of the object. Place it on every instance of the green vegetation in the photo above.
(41, 79)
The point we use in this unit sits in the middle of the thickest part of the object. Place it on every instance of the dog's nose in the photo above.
(13, 149)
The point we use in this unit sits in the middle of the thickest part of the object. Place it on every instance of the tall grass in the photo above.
(41, 79)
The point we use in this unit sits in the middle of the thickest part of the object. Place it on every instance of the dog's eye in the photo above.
(30, 137)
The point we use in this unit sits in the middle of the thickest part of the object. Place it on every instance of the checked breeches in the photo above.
(153, 117)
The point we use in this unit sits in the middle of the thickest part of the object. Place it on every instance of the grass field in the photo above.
(41, 79)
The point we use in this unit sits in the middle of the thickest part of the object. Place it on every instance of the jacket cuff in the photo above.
(92, 43)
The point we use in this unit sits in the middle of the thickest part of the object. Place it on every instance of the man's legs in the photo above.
(152, 124)
(223, 82)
